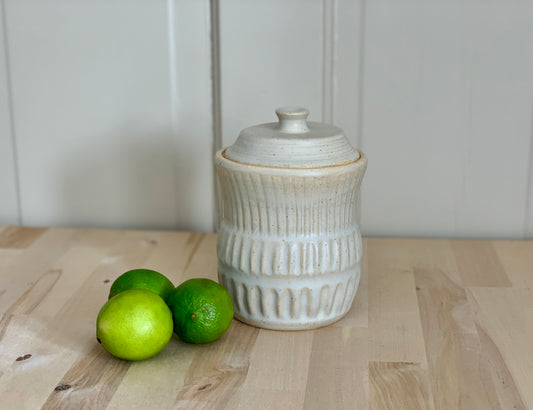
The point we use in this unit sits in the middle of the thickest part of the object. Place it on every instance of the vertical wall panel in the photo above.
(271, 55)
(192, 119)
(8, 185)
(347, 45)
(413, 115)
(94, 93)
(500, 81)
(447, 117)
(529, 211)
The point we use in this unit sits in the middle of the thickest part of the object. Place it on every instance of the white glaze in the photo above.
(292, 143)
(289, 247)
(292, 120)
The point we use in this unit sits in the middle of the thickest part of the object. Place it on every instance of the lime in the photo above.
(202, 310)
(134, 325)
(142, 279)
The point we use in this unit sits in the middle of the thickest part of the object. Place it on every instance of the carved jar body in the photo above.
(289, 246)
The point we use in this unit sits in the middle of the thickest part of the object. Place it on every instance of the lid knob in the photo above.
(292, 120)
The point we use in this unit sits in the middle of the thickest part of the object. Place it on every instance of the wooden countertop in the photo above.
(437, 324)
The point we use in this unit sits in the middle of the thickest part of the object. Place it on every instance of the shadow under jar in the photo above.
(289, 245)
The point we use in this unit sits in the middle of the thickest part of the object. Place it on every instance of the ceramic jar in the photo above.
(289, 246)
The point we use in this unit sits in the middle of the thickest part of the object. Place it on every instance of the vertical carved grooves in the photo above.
(271, 256)
(294, 205)
(289, 225)
(294, 226)
(336, 305)
(286, 305)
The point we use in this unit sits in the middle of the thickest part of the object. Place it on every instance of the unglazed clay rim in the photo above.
(296, 171)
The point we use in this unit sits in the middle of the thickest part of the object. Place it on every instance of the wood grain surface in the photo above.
(436, 324)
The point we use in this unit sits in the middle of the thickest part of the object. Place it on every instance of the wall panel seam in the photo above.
(174, 94)
(328, 61)
(9, 85)
(361, 79)
(214, 13)
(528, 214)
(361, 94)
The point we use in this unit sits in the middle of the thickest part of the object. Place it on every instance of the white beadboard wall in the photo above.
(111, 110)
(447, 116)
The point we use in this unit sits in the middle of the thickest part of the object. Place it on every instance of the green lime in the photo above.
(142, 279)
(134, 325)
(202, 310)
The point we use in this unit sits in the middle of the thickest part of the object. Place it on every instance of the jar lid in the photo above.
(293, 142)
